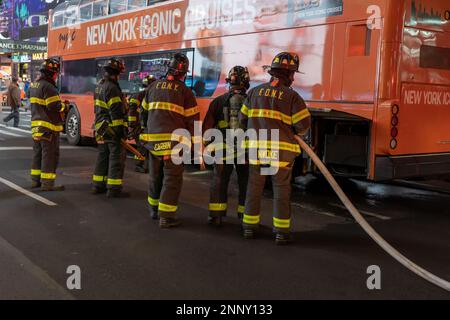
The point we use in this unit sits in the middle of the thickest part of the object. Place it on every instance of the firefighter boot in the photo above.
(35, 184)
(249, 234)
(215, 221)
(51, 187)
(282, 239)
(154, 212)
(166, 223)
(98, 190)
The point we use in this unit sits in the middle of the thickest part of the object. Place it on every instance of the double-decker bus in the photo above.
(376, 73)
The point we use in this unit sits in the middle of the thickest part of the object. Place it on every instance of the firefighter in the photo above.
(273, 105)
(137, 122)
(223, 114)
(171, 105)
(47, 118)
(110, 107)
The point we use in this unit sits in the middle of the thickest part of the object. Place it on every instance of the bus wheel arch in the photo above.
(73, 126)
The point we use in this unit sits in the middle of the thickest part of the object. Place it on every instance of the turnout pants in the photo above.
(110, 166)
(13, 115)
(45, 159)
(219, 188)
(281, 183)
(165, 182)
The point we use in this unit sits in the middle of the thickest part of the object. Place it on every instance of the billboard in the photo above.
(6, 7)
(30, 18)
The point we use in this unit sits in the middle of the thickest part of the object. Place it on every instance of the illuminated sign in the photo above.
(11, 46)
(39, 56)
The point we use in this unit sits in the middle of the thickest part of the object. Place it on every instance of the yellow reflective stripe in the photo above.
(165, 106)
(48, 176)
(162, 153)
(244, 110)
(114, 100)
(116, 123)
(154, 137)
(132, 119)
(101, 104)
(280, 164)
(223, 124)
(98, 178)
(35, 172)
(166, 207)
(45, 124)
(296, 118)
(270, 114)
(145, 105)
(251, 219)
(191, 112)
(241, 209)
(153, 202)
(52, 100)
(135, 101)
(281, 223)
(218, 206)
(115, 182)
(267, 144)
(38, 101)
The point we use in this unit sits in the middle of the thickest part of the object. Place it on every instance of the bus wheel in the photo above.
(73, 127)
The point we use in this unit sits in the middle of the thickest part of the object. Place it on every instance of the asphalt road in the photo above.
(123, 254)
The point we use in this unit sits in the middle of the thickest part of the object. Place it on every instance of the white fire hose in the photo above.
(365, 225)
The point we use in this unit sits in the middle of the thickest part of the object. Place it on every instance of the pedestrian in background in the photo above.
(13, 100)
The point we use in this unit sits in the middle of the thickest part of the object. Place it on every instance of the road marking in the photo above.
(27, 193)
(34, 270)
(11, 134)
(16, 129)
(315, 210)
(366, 213)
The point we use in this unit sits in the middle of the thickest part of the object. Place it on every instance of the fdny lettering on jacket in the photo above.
(271, 93)
(166, 85)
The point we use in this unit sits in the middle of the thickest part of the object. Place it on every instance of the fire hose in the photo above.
(366, 226)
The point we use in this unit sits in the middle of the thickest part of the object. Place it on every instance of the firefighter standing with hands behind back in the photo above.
(223, 114)
(110, 107)
(171, 105)
(274, 106)
(137, 121)
(47, 119)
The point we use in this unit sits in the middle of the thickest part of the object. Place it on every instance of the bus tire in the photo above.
(73, 127)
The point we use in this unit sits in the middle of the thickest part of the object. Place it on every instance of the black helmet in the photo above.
(239, 77)
(286, 61)
(179, 64)
(51, 66)
(114, 66)
(148, 80)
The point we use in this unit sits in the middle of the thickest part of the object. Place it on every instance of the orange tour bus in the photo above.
(376, 73)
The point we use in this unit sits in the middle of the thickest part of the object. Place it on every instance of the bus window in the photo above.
(100, 9)
(58, 20)
(71, 15)
(435, 57)
(136, 4)
(117, 6)
(78, 77)
(86, 12)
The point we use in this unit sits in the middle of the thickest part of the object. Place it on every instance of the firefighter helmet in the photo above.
(114, 65)
(239, 77)
(179, 64)
(286, 61)
(148, 80)
(51, 66)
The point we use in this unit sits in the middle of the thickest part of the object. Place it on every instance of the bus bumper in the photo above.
(401, 167)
